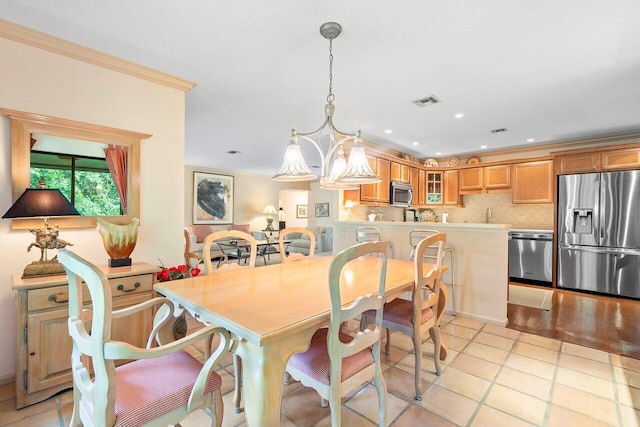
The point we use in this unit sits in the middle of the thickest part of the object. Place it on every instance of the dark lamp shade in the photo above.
(41, 202)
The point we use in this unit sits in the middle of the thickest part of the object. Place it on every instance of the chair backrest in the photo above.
(367, 234)
(423, 282)
(227, 235)
(91, 344)
(339, 314)
(296, 256)
(415, 236)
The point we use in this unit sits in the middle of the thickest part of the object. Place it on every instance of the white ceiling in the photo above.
(551, 70)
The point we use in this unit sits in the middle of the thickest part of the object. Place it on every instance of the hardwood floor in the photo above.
(604, 323)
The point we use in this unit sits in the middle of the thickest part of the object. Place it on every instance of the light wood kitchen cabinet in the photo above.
(434, 188)
(43, 351)
(400, 172)
(379, 192)
(579, 163)
(451, 195)
(485, 179)
(419, 183)
(627, 158)
(533, 182)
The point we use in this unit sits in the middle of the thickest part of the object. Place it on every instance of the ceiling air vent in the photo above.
(233, 152)
(498, 130)
(429, 100)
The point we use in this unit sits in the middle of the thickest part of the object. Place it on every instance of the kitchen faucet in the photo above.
(489, 215)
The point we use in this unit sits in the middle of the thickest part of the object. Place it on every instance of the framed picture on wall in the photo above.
(212, 198)
(322, 209)
(301, 211)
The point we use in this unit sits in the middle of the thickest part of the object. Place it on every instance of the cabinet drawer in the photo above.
(58, 296)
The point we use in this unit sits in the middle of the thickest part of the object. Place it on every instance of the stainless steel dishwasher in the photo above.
(531, 255)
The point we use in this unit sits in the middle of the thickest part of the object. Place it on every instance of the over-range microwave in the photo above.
(400, 194)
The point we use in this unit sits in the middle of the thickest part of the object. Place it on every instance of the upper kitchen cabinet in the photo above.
(373, 193)
(400, 172)
(451, 195)
(418, 179)
(579, 163)
(533, 182)
(485, 179)
(626, 158)
(434, 188)
(619, 158)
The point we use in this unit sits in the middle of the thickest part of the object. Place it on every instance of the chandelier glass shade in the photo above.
(337, 172)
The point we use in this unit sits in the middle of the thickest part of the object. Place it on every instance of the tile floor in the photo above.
(493, 377)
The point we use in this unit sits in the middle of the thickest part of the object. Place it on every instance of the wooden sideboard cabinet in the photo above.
(43, 350)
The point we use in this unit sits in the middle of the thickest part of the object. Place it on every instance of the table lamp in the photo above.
(269, 211)
(43, 203)
(349, 204)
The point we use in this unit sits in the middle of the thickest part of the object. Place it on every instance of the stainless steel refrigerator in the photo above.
(599, 232)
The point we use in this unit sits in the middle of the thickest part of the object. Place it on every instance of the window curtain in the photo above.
(116, 156)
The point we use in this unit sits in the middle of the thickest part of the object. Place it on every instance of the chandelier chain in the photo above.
(331, 96)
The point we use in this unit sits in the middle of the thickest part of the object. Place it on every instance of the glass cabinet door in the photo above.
(434, 188)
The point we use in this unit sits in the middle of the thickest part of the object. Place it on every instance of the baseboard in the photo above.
(484, 319)
(6, 379)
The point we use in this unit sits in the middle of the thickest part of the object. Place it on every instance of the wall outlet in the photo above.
(522, 218)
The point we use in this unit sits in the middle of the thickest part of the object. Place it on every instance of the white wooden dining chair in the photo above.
(418, 315)
(227, 266)
(162, 384)
(337, 363)
(296, 255)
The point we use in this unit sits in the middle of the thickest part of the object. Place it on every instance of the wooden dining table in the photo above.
(273, 311)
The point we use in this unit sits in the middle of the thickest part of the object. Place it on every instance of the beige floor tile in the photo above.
(545, 342)
(588, 366)
(535, 352)
(525, 383)
(459, 331)
(486, 352)
(626, 362)
(630, 416)
(586, 352)
(417, 416)
(453, 342)
(348, 417)
(401, 383)
(463, 383)
(563, 417)
(584, 403)
(475, 366)
(449, 405)
(303, 407)
(629, 396)
(489, 417)
(366, 403)
(467, 322)
(585, 382)
(518, 404)
(401, 341)
(230, 418)
(532, 366)
(627, 376)
(446, 318)
(501, 331)
(502, 343)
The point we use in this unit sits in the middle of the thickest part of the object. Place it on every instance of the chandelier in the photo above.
(336, 172)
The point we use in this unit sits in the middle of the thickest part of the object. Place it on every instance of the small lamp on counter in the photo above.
(43, 203)
(349, 204)
(269, 211)
(282, 224)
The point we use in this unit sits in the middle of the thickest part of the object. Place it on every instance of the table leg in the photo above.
(263, 370)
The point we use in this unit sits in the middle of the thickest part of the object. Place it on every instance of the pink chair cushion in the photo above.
(200, 231)
(315, 361)
(399, 311)
(241, 227)
(150, 388)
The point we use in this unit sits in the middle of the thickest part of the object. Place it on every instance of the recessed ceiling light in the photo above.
(388, 131)
(438, 153)
(483, 146)
(459, 115)
(416, 143)
(531, 140)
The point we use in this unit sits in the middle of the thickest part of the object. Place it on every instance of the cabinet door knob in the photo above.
(122, 289)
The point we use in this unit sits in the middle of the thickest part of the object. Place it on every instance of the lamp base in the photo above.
(119, 262)
(269, 223)
(43, 268)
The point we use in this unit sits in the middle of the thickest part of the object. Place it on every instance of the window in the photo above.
(85, 181)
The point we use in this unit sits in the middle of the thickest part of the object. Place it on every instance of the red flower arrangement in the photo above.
(176, 273)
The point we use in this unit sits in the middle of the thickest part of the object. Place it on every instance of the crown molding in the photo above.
(20, 34)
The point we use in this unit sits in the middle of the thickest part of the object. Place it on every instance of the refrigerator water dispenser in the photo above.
(583, 221)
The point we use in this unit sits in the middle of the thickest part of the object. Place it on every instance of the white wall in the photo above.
(41, 82)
